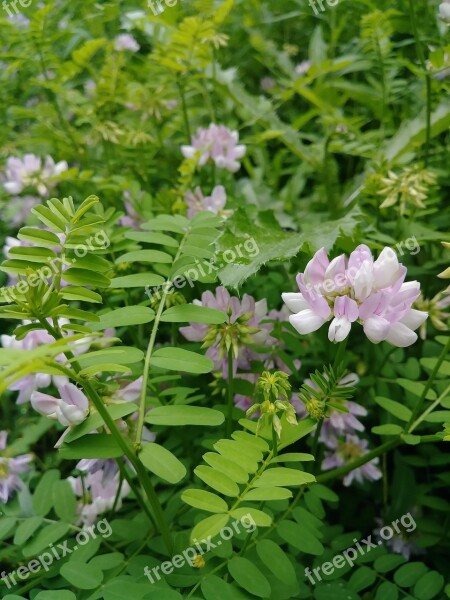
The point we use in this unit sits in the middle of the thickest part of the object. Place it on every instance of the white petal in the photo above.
(339, 329)
(13, 187)
(294, 301)
(386, 268)
(376, 329)
(414, 318)
(306, 321)
(400, 335)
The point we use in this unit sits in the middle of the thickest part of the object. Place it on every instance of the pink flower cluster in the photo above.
(197, 202)
(10, 470)
(216, 143)
(357, 289)
(253, 312)
(31, 172)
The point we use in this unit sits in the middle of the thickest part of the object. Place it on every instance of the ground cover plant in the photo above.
(224, 364)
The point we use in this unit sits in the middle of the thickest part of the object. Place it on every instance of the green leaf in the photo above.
(192, 313)
(7, 525)
(83, 277)
(105, 562)
(26, 529)
(387, 429)
(384, 564)
(249, 577)
(214, 588)
(100, 445)
(429, 585)
(218, 481)
(283, 477)
(408, 574)
(260, 518)
(79, 293)
(177, 359)
(430, 363)
(292, 457)
(38, 236)
(387, 591)
(227, 467)
(55, 595)
(137, 280)
(275, 559)
(82, 576)
(185, 415)
(152, 238)
(42, 497)
(416, 388)
(299, 537)
(205, 501)
(46, 536)
(64, 500)
(275, 493)
(122, 355)
(173, 223)
(394, 408)
(210, 526)
(362, 578)
(33, 254)
(46, 216)
(162, 462)
(145, 256)
(126, 316)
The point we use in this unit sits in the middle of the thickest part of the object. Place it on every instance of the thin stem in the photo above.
(315, 444)
(274, 442)
(430, 409)
(340, 353)
(230, 394)
(423, 64)
(184, 110)
(428, 385)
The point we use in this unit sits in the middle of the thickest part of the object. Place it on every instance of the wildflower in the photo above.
(401, 542)
(198, 562)
(437, 310)
(10, 469)
(445, 274)
(347, 451)
(29, 172)
(131, 218)
(71, 408)
(241, 332)
(197, 202)
(125, 41)
(303, 67)
(408, 187)
(216, 143)
(362, 290)
(444, 11)
(267, 84)
(97, 488)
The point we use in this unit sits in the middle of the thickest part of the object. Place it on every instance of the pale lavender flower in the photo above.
(131, 218)
(97, 489)
(197, 202)
(216, 143)
(267, 84)
(444, 11)
(31, 172)
(346, 451)
(19, 209)
(10, 470)
(70, 408)
(125, 41)
(303, 67)
(362, 290)
(244, 314)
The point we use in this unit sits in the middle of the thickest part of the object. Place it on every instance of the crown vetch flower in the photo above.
(241, 331)
(345, 452)
(30, 172)
(125, 41)
(197, 202)
(71, 408)
(216, 143)
(10, 469)
(360, 289)
(444, 11)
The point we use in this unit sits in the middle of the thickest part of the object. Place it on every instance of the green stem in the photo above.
(230, 394)
(429, 409)
(340, 353)
(121, 442)
(423, 64)
(274, 442)
(428, 385)
(184, 110)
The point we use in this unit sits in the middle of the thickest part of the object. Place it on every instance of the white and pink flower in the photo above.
(216, 143)
(361, 290)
